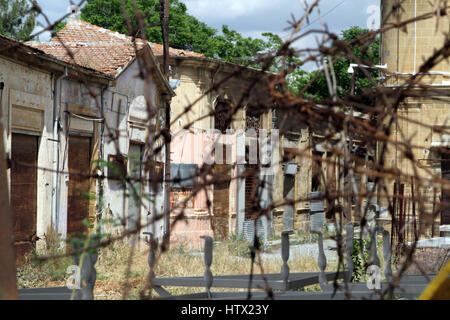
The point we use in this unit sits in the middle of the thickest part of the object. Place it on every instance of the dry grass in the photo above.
(32, 274)
(115, 272)
(178, 261)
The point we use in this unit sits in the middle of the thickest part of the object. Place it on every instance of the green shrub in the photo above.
(359, 267)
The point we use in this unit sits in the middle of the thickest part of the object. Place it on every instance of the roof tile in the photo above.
(98, 48)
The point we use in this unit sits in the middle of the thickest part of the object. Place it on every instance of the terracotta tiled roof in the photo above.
(158, 51)
(98, 48)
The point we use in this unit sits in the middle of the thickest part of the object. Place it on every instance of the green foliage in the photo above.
(231, 46)
(186, 31)
(16, 19)
(58, 27)
(359, 269)
(366, 54)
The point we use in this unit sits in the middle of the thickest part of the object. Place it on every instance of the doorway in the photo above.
(24, 156)
(79, 159)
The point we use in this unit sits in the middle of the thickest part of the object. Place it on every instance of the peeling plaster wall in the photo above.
(76, 99)
(196, 78)
(27, 108)
(132, 121)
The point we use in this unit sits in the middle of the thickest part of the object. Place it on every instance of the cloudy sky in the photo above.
(252, 17)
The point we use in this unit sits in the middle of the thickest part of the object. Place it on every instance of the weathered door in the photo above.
(24, 155)
(445, 214)
(221, 200)
(78, 199)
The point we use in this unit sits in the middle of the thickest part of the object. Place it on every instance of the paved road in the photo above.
(306, 250)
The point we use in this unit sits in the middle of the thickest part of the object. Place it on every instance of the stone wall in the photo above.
(429, 260)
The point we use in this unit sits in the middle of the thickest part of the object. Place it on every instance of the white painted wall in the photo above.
(133, 93)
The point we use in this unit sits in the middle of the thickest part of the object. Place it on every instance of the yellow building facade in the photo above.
(422, 118)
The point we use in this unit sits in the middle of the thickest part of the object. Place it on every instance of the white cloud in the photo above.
(254, 16)
(229, 9)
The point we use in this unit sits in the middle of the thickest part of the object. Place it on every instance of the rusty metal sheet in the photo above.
(79, 168)
(24, 156)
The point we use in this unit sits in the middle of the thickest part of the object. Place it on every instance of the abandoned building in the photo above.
(60, 118)
(230, 197)
(192, 74)
(30, 89)
(72, 116)
(420, 119)
(119, 117)
(108, 121)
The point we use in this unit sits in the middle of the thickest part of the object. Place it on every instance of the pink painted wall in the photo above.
(191, 148)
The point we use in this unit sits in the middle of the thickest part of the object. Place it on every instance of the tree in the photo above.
(233, 47)
(366, 54)
(17, 20)
(186, 31)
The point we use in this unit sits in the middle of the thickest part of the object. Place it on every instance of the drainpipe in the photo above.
(167, 183)
(101, 156)
(56, 137)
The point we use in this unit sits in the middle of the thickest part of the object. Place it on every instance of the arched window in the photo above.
(222, 116)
